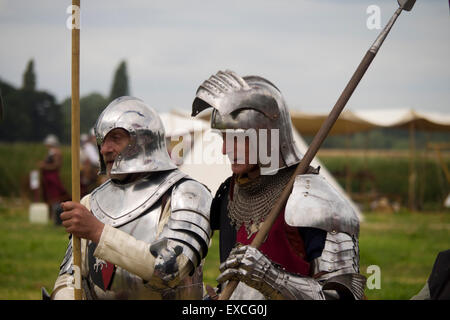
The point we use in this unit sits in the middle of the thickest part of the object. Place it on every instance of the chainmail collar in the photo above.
(252, 201)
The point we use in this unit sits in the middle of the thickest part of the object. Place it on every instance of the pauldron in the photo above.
(315, 203)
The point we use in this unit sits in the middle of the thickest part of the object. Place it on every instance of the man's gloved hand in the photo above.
(166, 252)
(251, 266)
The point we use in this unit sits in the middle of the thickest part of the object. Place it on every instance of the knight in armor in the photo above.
(145, 231)
(311, 251)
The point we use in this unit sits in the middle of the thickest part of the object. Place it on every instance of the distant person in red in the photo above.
(53, 190)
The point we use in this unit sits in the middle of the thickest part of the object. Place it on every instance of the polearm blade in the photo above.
(321, 135)
(75, 143)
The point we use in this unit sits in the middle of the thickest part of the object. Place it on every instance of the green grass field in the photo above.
(29, 254)
(403, 245)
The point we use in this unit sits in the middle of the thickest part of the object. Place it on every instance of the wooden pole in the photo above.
(348, 171)
(441, 160)
(75, 143)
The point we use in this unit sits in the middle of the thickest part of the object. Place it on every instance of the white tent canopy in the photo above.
(348, 122)
(363, 120)
(428, 121)
(216, 168)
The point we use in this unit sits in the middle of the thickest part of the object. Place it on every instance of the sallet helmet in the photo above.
(146, 151)
(249, 102)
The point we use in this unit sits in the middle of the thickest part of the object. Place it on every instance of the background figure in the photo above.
(437, 286)
(53, 190)
(89, 160)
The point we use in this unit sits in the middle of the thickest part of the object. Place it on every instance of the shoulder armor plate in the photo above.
(116, 204)
(315, 203)
(192, 196)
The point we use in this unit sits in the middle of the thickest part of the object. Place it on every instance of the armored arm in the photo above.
(334, 275)
(187, 230)
(315, 203)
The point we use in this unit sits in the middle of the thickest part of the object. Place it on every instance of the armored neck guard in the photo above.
(250, 202)
(117, 204)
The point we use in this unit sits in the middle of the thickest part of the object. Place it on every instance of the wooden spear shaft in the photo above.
(75, 143)
(315, 144)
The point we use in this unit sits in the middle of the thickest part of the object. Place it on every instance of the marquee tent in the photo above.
(363, 120)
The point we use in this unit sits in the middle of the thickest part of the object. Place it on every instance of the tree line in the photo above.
(30, 114)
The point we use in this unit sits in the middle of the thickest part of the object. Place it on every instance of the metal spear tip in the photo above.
(406, 4)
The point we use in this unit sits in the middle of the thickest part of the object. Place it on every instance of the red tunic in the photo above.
(283, 246)
(54, 190)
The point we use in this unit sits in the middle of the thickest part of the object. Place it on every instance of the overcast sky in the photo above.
(308, 48)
